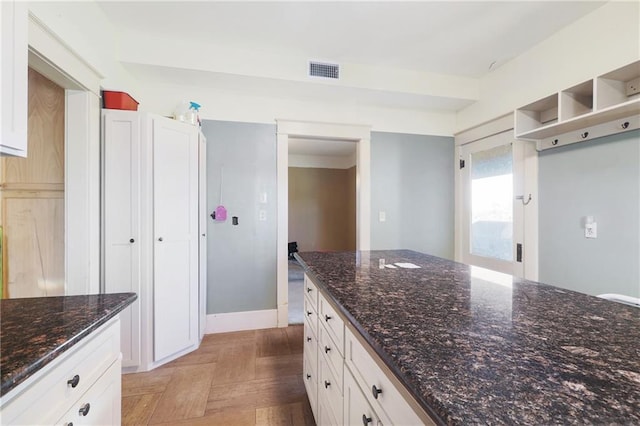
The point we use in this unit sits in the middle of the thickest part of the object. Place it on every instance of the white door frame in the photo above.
(49, 56)
(525, 159)
(307, 129)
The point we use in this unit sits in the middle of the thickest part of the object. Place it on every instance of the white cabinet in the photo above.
(602, 106)
(151, 224)
(86, 376)
(13, 78)
(202, 230)
(347, 383)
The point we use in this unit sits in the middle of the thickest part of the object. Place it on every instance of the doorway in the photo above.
(498, 216)
(322, 205)
(287, 129)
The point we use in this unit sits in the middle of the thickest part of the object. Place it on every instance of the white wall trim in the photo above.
(484, 130)
(307, 129)
(322, 161)
(239, 321)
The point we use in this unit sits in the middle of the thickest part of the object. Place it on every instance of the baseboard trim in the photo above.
(239, 321)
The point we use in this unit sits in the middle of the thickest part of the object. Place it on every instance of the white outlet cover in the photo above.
(591, 230)
(382, 216)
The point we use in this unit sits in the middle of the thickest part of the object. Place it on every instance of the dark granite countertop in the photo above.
(478, 347)
(35, 331)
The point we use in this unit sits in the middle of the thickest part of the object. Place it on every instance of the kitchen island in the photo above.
(472, 346)
(57, 352)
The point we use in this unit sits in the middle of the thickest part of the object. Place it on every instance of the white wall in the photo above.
(233, 106)
(85, 29)
(602, 41)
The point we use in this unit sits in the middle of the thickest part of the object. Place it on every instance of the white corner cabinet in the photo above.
(80, 387)
(13, 77)
(346, 382)
(605, 105)
(153, 233)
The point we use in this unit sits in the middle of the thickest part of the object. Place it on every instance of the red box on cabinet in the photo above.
(118, 100)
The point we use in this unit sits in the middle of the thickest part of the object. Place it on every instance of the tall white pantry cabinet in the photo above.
(153, 233)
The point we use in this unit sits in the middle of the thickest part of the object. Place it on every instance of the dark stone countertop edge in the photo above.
(431, 412)
(9, 385)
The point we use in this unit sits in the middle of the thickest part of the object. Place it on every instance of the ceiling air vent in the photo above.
(324, 70)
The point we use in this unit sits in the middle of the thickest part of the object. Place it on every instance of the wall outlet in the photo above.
(382, 216)
(262, 216)
(591, 230)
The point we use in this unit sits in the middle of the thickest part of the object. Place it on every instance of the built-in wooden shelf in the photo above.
(605, 105)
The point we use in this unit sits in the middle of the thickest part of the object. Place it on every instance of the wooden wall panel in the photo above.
(32, 199)
(322, 208)
(35, 245)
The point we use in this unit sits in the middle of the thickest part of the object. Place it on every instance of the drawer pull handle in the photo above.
(309, 313)
(375, 391)
(73, 382)
(308, 376)
(366, 420)
(68, 424)
(84, 410)
(327, 349)
(308, 339)
(309, 289)
(326, 384)
(327, 317)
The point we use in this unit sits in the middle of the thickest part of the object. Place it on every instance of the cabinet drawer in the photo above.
(310, 316)
(332, 322)
(310, 377)
(335, 361)
(310, 291)
(51, 391)
(328, 391)
(388, 400)
(326, 416)
(310, 347)
(100, 405)
(357, 410)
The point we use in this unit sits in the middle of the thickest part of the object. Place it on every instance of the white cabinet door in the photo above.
(13, 78)
(121, 223)
(202, 221)
(175, 216)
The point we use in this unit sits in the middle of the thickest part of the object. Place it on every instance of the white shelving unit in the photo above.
(603, 106)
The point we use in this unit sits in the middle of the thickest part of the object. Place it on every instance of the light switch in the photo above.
(382, 216)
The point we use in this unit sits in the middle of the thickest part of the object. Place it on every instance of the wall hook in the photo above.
(584, 135)
(625, 125)
(521, 198)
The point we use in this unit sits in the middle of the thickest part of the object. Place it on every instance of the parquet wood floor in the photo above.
(243, 378)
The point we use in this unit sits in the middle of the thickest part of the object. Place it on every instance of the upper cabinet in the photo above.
(13, 77)
(602, 106)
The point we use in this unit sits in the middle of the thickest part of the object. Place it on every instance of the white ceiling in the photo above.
(324, 147)
(448, 38)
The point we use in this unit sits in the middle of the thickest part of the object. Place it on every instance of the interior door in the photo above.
(202, 220)
(121, 221)
(175, 215)
(492, 210)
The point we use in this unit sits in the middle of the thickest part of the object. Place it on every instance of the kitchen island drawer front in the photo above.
(379, 389)
(335, 361)
(310, 377)
(329, 393)
(59, 384)
(333, 322)
(311, 291)
(311, 316)
(357, 410)
(100, 405)
(310, 348)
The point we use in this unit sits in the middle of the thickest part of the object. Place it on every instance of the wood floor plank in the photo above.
(282, 415)
(137, 409)
(186, 394)
(273, 341)
(278, 366)
(243, 378)
(150, 382)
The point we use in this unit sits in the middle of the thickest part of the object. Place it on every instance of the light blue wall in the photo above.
(241, 264)
(412, 181)
(599, 178)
